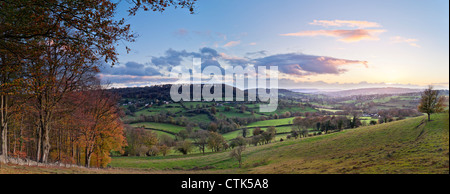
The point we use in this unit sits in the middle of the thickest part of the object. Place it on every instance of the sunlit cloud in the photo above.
(232, 43)
(181, 32)
(306, 65)
(345, 23)
(343, 35)
(410, 41)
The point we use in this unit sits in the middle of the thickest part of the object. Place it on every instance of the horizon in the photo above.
(292, 89)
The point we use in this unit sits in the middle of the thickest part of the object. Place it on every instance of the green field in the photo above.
(280, 111)
(273, 122)
(160, 126)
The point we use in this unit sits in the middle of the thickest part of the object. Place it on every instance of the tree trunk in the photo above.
(38, 144)
(4, 125)
(46, 144)
(87, 158)
(429, 117)
(4, 140)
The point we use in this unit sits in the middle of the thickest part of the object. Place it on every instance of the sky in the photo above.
(322, 44)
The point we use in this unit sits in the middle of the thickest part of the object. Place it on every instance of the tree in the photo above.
(272, 130)
(238, 141)
(237, 154)
(215, 141)
(184, 147)
(244, 132)
(183, 134)
(300, 127)
(257, 131)
(269, 134)
(49, 47)
(431, 102)
(10, 85)
(200, 138)
(213, 110)
(164, 149)
(99, 124)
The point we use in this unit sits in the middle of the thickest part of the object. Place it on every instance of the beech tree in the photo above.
(99, 123)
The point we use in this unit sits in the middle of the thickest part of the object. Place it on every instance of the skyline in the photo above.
(320, 44)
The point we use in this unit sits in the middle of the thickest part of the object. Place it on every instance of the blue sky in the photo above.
(316, 44)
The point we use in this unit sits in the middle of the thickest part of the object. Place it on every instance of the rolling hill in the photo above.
(408, 146)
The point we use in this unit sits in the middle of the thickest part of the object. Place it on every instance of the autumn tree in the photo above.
(99, 123)
(52, 45)
(215, 141)
(257, 131)
(431, 102)
(11, 82)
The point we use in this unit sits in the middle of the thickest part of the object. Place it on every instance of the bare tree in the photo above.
(237, 154)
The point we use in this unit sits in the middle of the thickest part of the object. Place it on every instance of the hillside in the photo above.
(407, 146)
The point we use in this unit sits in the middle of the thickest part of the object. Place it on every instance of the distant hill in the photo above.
(162, 92)
(372, 91)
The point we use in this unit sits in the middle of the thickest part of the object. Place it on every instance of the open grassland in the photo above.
(408, 146)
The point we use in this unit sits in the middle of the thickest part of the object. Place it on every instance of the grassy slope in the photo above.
(407, 146)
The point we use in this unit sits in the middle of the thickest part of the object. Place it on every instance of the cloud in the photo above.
(215, 36)
(343, 35)
(181, 32)
(232, 43)
(290, 64)
(410, 41)
(303, 65)
(174, 58)
(315, 86)
(132, 69)
(345, 23)
(257, 53)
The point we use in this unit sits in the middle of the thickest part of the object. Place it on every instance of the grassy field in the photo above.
(273, 122)
(408, 146)
(161, 126)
